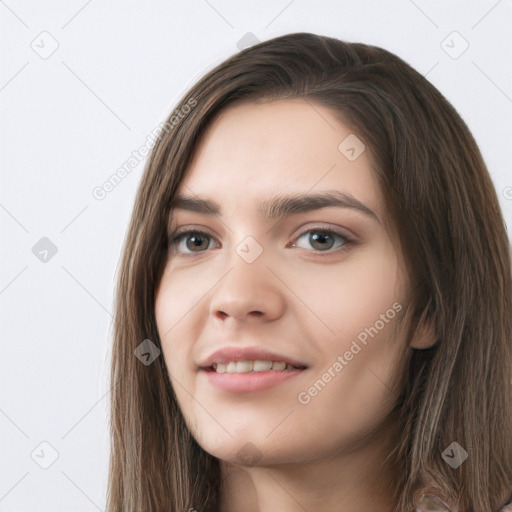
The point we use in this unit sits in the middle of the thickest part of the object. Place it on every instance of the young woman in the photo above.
(314, 303)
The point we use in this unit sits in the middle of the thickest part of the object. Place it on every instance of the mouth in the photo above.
(248, 369)
(250, 376)
(256, 366)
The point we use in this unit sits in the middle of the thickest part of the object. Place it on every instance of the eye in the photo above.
(189, 242)
(319, 239)
(322, 240)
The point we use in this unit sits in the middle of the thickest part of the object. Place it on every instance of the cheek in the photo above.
(348, 296)
(179, 298)
(172, 308)
(348, 410)
(352, 398)
(175, 333)
(350, 392)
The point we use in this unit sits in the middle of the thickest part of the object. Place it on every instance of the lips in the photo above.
(230, 354)
(269, 369)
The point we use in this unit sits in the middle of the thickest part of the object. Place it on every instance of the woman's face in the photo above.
(313, 281)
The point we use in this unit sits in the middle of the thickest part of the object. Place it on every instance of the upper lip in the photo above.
(227, 354)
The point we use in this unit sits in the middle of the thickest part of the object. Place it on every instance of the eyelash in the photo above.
(348, 242)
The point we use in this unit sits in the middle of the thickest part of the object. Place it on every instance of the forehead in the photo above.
(256, 150)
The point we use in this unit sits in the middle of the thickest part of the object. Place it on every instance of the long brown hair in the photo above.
(441, 200)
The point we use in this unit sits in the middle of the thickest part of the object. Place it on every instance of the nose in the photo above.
(249, 292)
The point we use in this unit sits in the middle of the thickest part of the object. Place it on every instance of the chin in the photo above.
(252, 449)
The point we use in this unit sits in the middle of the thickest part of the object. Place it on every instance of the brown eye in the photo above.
(322, 240)
(190, 242)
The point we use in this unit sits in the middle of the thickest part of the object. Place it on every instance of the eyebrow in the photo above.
(281, 205)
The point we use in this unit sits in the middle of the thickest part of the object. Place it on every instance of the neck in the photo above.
(359, 480)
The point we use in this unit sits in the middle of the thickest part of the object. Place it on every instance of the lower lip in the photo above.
(251, 381)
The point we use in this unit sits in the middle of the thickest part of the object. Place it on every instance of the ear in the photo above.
(425, 336)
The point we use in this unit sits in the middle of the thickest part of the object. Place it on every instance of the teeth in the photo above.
(262, 366)
(251, 366)
(243, 366)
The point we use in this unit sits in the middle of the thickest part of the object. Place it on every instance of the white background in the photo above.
(70, 120)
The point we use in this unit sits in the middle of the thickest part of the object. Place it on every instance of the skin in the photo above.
(297, 299)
